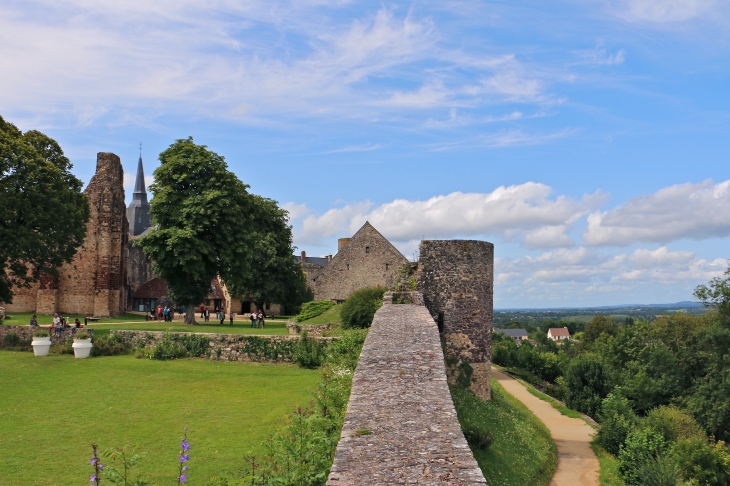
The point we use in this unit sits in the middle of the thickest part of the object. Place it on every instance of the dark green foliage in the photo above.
(313, 309)
(700, 461)
(477, 435)
(617, 421)
(165, 350)
(110, 346)
(63, 348)
(43, 213)
(308, 352)
(264, 349)
(642, 445)
(11, 339)
(587, 384)
(463, 376)
(344, 351)
(208, 225)
(196, 344)
(360, 307)
(716, 294)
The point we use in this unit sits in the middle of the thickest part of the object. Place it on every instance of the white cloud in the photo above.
(296, 211)
(601, 56)
(692, 211)
(664, 10)
(526, 211)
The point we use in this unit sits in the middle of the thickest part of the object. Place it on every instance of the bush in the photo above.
(11, 339)
(110, 346)
(64, 348)
(313, 309)
(642, 447)
(477, 435)
(163, 351)
(41, 333)
(587, 384)
(83, 335)
(673, 424)
(360, 307)
(308, 352)
(617, 421)
(700, 462)
(196, 344)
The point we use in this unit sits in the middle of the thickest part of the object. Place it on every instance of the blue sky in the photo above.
(587, 139)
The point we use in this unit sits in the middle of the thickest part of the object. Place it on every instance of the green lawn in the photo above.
(523, 453)
(52, 408)
(240, 327)
(330, 316)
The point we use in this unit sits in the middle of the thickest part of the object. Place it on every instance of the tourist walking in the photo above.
(206, 315)
(230, 316)
(222, 316)
(202, 311)
(260, 317)
(252, 316)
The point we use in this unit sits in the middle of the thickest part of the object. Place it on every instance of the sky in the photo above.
(588, 140)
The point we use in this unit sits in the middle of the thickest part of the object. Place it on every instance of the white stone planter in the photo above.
(41, 345)
(82, 348)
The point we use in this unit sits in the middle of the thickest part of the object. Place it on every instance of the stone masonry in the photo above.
(456, 278)
(400, 396)
(94, 282)
(366, 260)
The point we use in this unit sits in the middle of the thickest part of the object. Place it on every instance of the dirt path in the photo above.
(577, 465)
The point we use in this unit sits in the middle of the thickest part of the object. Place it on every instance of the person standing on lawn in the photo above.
(261, 318)
(252, 316)
(206, 315)
(230, 316)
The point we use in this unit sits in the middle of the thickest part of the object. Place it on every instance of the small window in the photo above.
(348, 266)
(386, 266)
(367, 249)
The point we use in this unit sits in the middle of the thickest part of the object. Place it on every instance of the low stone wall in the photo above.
(401, 425)
(25, 333)
(224, 347)
(312, 330)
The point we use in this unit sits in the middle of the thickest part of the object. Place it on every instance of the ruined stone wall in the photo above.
(456, 278)
(139, 269)
(25, 333)
(400, 396)
(367, 260)
(95, 281)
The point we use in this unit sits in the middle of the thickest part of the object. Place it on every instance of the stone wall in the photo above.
(401, 425)
(25, 333)
(224, 347)
(366, 260)
(312, 330)
(456, 278)
(139, 269)
(94, 282)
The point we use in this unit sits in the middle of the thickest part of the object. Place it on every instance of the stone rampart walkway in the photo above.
(577, 464)
(400, 397)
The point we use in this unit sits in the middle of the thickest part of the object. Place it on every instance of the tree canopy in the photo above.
(43, 212)
(207, 224)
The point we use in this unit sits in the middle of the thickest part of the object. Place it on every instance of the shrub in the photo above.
(313, 309)
(308, 352)
(700, 462)
(11, 339)
(41, 333)
(587, 384)
(163, 351)
(673, 424)
(617, 421)
(64, 348)
(641, 447)
(83, 335)
(360, 307)
(110, 346)
(477, 435)
(344, 351)
(195, 344)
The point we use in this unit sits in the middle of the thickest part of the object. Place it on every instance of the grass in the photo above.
(330, 316)
(608, 474)
(272, 327)
(556, 404)
(523, 453)
(52, 408)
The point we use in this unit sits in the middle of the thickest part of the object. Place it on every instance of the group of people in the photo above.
(162, 313)
(59, 324)
(258, 318)
(220, 314)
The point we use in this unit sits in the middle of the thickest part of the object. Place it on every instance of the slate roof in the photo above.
(512, 332)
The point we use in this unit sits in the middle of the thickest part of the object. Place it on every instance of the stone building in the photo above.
(365, 260)
(138, 211)
(94, 283)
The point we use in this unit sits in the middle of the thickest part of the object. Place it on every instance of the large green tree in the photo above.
(207, 224)
(43, 212)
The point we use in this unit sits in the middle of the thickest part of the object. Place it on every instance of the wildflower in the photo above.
(93, 478)
(183, 478)
(184, 457)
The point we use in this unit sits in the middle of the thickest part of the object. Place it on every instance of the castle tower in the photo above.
(456, 278)
(138, 212)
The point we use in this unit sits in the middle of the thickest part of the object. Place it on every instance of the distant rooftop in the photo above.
(512, 332)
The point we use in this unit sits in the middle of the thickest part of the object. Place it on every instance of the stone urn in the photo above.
(41, 345)
(82, 345)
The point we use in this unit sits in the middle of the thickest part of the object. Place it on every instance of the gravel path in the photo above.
(577, 465)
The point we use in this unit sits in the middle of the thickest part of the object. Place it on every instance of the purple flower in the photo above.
(93, 461)
(183, 478)
(184, 457)
(185, 468)
(185, 445)
(93, 478)
(101, 467)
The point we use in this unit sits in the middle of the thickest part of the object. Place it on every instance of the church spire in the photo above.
(140, 193)
(138, 210)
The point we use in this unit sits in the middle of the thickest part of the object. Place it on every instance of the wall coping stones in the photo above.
(400, 395)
